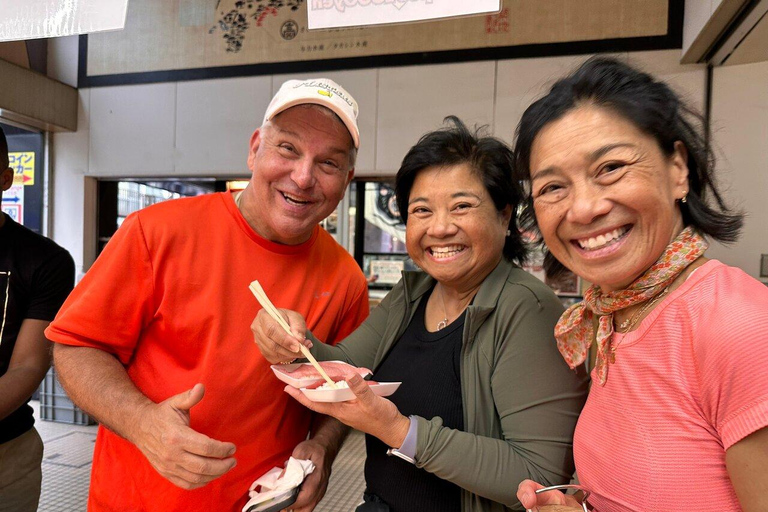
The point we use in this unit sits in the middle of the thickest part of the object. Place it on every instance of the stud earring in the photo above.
(684, 198)
(509, 232)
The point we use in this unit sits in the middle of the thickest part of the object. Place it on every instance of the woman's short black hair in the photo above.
(489, 157)
(653, 108)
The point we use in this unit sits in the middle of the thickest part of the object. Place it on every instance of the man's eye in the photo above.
(287, 147)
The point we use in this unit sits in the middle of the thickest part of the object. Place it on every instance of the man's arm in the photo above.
(30, 360)
(327, 436)
(98, 383)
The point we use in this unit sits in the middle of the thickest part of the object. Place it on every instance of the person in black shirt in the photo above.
(36, 275)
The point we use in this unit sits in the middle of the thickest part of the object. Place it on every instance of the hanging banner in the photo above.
(35, 19)
(358, 13)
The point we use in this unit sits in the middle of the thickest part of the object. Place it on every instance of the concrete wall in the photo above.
(740, 131)
(202, 128)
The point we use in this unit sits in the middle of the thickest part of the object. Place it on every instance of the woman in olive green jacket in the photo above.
(518, 401)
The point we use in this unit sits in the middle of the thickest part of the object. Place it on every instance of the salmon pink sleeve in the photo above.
(114, 301)
(731, 351)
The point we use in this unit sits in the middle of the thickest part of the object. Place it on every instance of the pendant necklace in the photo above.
(444, 322)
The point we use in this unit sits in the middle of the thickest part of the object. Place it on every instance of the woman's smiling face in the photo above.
(604, 194)
(454, 232)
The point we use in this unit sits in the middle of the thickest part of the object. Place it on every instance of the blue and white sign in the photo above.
(13, 203)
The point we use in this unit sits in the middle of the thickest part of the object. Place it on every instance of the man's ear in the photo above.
(6, 179)
(350, 175)
(253, 148)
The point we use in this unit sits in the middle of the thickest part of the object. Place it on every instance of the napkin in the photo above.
(278, 482)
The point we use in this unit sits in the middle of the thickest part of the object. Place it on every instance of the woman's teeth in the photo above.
(601, 240)
(445, 252)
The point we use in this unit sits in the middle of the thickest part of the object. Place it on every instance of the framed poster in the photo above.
(194, 39)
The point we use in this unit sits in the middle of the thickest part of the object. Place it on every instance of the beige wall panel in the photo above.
(69, 165)
(15, 52)
(414, 100)
(132, 130)
(740, 131)
(688, 80)
(362, 85)
(520, 82)
(63, 59)
(33, 99)
(214, 123)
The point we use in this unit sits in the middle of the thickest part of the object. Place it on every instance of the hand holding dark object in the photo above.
(316, 483)
(185, 457)
(274, 343)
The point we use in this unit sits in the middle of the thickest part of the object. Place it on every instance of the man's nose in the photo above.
(303, 174)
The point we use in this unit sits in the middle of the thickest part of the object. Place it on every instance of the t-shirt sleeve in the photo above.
(114, 302)
(51, 283)
(730, 354)
(355, 313)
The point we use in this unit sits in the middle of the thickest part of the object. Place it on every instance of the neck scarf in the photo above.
(575, 329)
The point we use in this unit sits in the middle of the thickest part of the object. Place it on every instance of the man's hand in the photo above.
(314, 486)
(274, 343)
(185, 457)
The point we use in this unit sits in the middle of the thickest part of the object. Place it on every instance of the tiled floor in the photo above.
(69, 451)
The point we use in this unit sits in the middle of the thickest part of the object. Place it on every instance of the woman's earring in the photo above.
(509, 232)
(685, 198)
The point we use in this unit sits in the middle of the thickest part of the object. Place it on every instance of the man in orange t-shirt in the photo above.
(155, 341)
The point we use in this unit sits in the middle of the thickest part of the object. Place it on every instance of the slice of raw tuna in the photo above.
(336, 370)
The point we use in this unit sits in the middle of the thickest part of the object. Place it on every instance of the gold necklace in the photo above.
(442, 324)
(628, 324)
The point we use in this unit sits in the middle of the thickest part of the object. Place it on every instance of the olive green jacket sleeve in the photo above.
(366, 346)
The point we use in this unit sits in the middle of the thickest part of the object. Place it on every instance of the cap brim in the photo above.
(349, 123)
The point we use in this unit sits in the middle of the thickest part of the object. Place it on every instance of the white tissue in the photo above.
(273, 484)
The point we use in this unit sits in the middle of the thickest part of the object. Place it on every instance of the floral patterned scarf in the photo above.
(575, 329)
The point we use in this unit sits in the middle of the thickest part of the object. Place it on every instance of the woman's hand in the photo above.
(553, 501)
(274, 343)
(368, 412)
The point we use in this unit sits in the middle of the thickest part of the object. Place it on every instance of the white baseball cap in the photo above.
(319, 91)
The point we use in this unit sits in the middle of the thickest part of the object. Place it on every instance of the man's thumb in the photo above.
(186, 400)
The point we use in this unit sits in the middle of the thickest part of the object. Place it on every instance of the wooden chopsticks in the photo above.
(261, 296)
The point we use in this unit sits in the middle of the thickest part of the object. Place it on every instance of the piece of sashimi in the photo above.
(335, 370)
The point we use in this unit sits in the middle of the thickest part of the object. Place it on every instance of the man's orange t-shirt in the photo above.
(169, 298)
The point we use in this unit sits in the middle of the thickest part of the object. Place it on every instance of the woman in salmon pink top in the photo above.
(623, 194)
